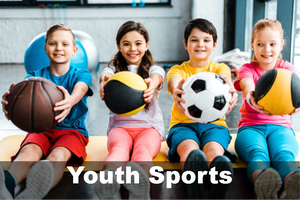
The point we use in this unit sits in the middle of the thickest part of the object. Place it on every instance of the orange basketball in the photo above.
(31, 102)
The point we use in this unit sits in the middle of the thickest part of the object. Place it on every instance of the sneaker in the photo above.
(38, 181)
(141, 190)
(108, 191)
(267, 184)
(4, 193)
(219, 190)
(196, 161)
(292, 187)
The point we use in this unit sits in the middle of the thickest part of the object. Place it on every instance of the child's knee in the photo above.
(30, 152)
(60, 154)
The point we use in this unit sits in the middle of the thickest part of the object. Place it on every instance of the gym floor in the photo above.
(97, 121)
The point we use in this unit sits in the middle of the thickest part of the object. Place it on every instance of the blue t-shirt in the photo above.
(76, 118)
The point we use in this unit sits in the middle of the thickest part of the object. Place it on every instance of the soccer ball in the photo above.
(206, 97)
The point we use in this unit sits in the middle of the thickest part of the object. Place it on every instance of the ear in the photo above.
(45, 49)
(119, 47)
(75, 49)
(251, 43)
(184, 44)
(215, 45)
(147, 45)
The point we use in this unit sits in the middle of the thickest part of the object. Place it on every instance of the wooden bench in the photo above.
(97, 152)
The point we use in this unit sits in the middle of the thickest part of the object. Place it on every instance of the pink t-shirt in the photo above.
(249, 116)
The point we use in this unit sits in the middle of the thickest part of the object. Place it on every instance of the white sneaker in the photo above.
(292, 187)
(4, 193)
(38, 181)
(141, 190)
(108, 191)
(267, 184)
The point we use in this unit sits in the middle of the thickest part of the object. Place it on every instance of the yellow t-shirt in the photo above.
(185, 70)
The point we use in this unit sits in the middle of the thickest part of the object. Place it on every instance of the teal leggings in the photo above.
(267, 145)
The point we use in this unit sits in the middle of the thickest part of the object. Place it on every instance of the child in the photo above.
(66, 142)
(186, 137)
(266, 142)
(138, 137)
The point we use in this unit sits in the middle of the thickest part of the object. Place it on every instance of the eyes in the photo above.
(65, 44)
(136, 44)
(261, 44)
(205, 40)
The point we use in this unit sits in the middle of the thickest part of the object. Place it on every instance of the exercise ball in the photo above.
(35, 57)
(278, 91)
(31, 102)
(123, 93)
(90, 48)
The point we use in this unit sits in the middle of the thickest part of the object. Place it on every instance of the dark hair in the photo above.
(57, 27)
(202, 24)
(119, 61)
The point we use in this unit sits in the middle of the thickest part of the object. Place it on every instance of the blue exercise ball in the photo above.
(36, 58)
(90, 47)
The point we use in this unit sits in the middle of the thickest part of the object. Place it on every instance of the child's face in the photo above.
(133, 47)
(199, 45)
(267, 45)
(60, 47)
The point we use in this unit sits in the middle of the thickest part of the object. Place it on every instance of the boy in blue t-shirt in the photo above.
(46, 154)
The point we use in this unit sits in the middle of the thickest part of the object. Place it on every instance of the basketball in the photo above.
(31, 102)
(278, 91)
(124, 93)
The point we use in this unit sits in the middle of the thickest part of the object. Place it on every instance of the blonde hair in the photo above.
(263, 24)
(59, 26)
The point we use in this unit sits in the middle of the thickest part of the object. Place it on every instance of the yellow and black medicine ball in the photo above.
(124, 93)
(278, 91)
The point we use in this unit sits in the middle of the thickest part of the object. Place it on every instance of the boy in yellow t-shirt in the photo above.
(199, 147)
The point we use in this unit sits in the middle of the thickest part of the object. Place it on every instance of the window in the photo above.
(297, 38)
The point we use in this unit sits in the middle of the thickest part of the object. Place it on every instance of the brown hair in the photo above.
(263, 24)
(119, 61)
(202, 24)
(56, 27)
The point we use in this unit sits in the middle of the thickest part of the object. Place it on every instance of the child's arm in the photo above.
(103, 79)
(80, 89)
(175, 88)
(153, 82)
(247, 85)
(5, 102)
(234, 98)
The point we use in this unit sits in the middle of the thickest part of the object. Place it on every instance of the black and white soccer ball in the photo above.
(206, 97)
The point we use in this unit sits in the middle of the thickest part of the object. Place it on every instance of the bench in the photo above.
(97, 152)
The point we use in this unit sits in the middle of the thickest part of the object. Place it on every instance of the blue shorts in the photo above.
(201, 133)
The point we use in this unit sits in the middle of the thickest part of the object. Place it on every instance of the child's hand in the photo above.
(102, 83)
(233, 100)
(5, 102)
(177, 92)
(148, 94)
(65, 105)
(256, 107)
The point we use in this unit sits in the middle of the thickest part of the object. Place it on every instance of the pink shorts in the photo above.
(68, 138)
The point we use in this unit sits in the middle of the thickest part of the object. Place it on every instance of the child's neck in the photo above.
(59, 69)
(198, 63)
(267, 67)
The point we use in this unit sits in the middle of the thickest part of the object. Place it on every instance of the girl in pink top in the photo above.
(266, 142)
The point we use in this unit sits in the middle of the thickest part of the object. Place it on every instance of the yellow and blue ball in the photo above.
(124, 93)
(278, 91)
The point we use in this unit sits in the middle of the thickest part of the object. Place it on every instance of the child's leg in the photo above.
(119, 144)
(26, 157)
(146, 146)
(184, 149)
(283, 148)
(212, 150)
(252, 147)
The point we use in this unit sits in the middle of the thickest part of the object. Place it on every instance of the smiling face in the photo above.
(60, 47)
(267, 45)
(199, 45)
(133, 47)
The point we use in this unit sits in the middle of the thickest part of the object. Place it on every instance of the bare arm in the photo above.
(103, 79)
(154, 81)
(175, 88)
(234, 95)
(80, 89)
